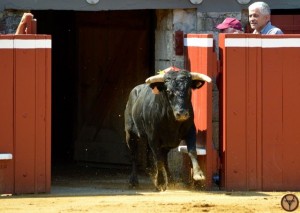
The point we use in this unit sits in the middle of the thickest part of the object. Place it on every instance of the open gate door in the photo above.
(289, 24)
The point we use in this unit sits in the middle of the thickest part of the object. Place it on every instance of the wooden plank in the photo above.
(40, 122)
(253, 117)
(48, 103)
(272, 122)
(241, 137)
(289, 24)
(6, 113)
(25, 128)
(235, 90)
(199, 58)
(291, 119)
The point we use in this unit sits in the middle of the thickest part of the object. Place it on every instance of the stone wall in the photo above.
(9, 20)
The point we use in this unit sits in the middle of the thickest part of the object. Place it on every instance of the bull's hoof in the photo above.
(133, 183)
(133, 186)
(161, 188)
(198, 176)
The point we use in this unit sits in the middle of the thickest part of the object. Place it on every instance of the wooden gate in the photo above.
(25, 125)
(261, 116)
(289, 24)
(108, 68)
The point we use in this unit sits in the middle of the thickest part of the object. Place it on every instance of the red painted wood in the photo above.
(203, 60)
(40, 123)
(289, 24)
(260, 117)
(48, 104)
(6, 115)
(280, 110)
(26, 88)
(25, 127)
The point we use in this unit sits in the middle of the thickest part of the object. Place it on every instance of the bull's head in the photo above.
(177, 87)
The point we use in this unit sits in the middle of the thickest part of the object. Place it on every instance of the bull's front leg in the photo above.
(197, 172)
(191, 146)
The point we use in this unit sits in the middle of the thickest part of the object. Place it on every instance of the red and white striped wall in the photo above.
(261, 115)
(25, 111)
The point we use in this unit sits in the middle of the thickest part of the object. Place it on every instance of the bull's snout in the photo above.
(182, 115)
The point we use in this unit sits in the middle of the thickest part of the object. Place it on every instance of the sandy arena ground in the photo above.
(110, 193)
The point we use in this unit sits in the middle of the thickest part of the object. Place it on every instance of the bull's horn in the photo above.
(199, 76)
(155, 78)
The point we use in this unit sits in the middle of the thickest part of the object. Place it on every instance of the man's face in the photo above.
(257, 20)
(229, 30)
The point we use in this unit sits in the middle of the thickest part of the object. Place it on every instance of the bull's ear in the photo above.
(157, 87)
(197, 84)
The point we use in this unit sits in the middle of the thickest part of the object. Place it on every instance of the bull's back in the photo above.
(143, 109)
(134, 104)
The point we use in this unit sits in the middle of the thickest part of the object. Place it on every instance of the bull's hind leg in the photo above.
(169, 175)
(160, 175)
(131, 140)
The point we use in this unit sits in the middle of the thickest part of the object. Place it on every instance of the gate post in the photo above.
(200, 57)
(32, 113)
(25, 111)
(6, 114)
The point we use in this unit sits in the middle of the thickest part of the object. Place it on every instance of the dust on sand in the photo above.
(109, 192)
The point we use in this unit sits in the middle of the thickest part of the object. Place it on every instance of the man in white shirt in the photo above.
(259, 19)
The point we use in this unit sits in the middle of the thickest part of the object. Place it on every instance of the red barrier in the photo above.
(6, 115)
(261, 116)
(25, 84)
(200, 57)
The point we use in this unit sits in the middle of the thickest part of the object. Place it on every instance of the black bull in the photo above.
(162, 118)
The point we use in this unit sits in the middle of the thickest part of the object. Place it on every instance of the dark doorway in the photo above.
(287, 20)
(97, 58)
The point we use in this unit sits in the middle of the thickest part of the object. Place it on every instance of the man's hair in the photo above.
(262, 6)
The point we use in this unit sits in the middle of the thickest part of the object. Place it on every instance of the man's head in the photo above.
(230, 25)
(259, 15)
